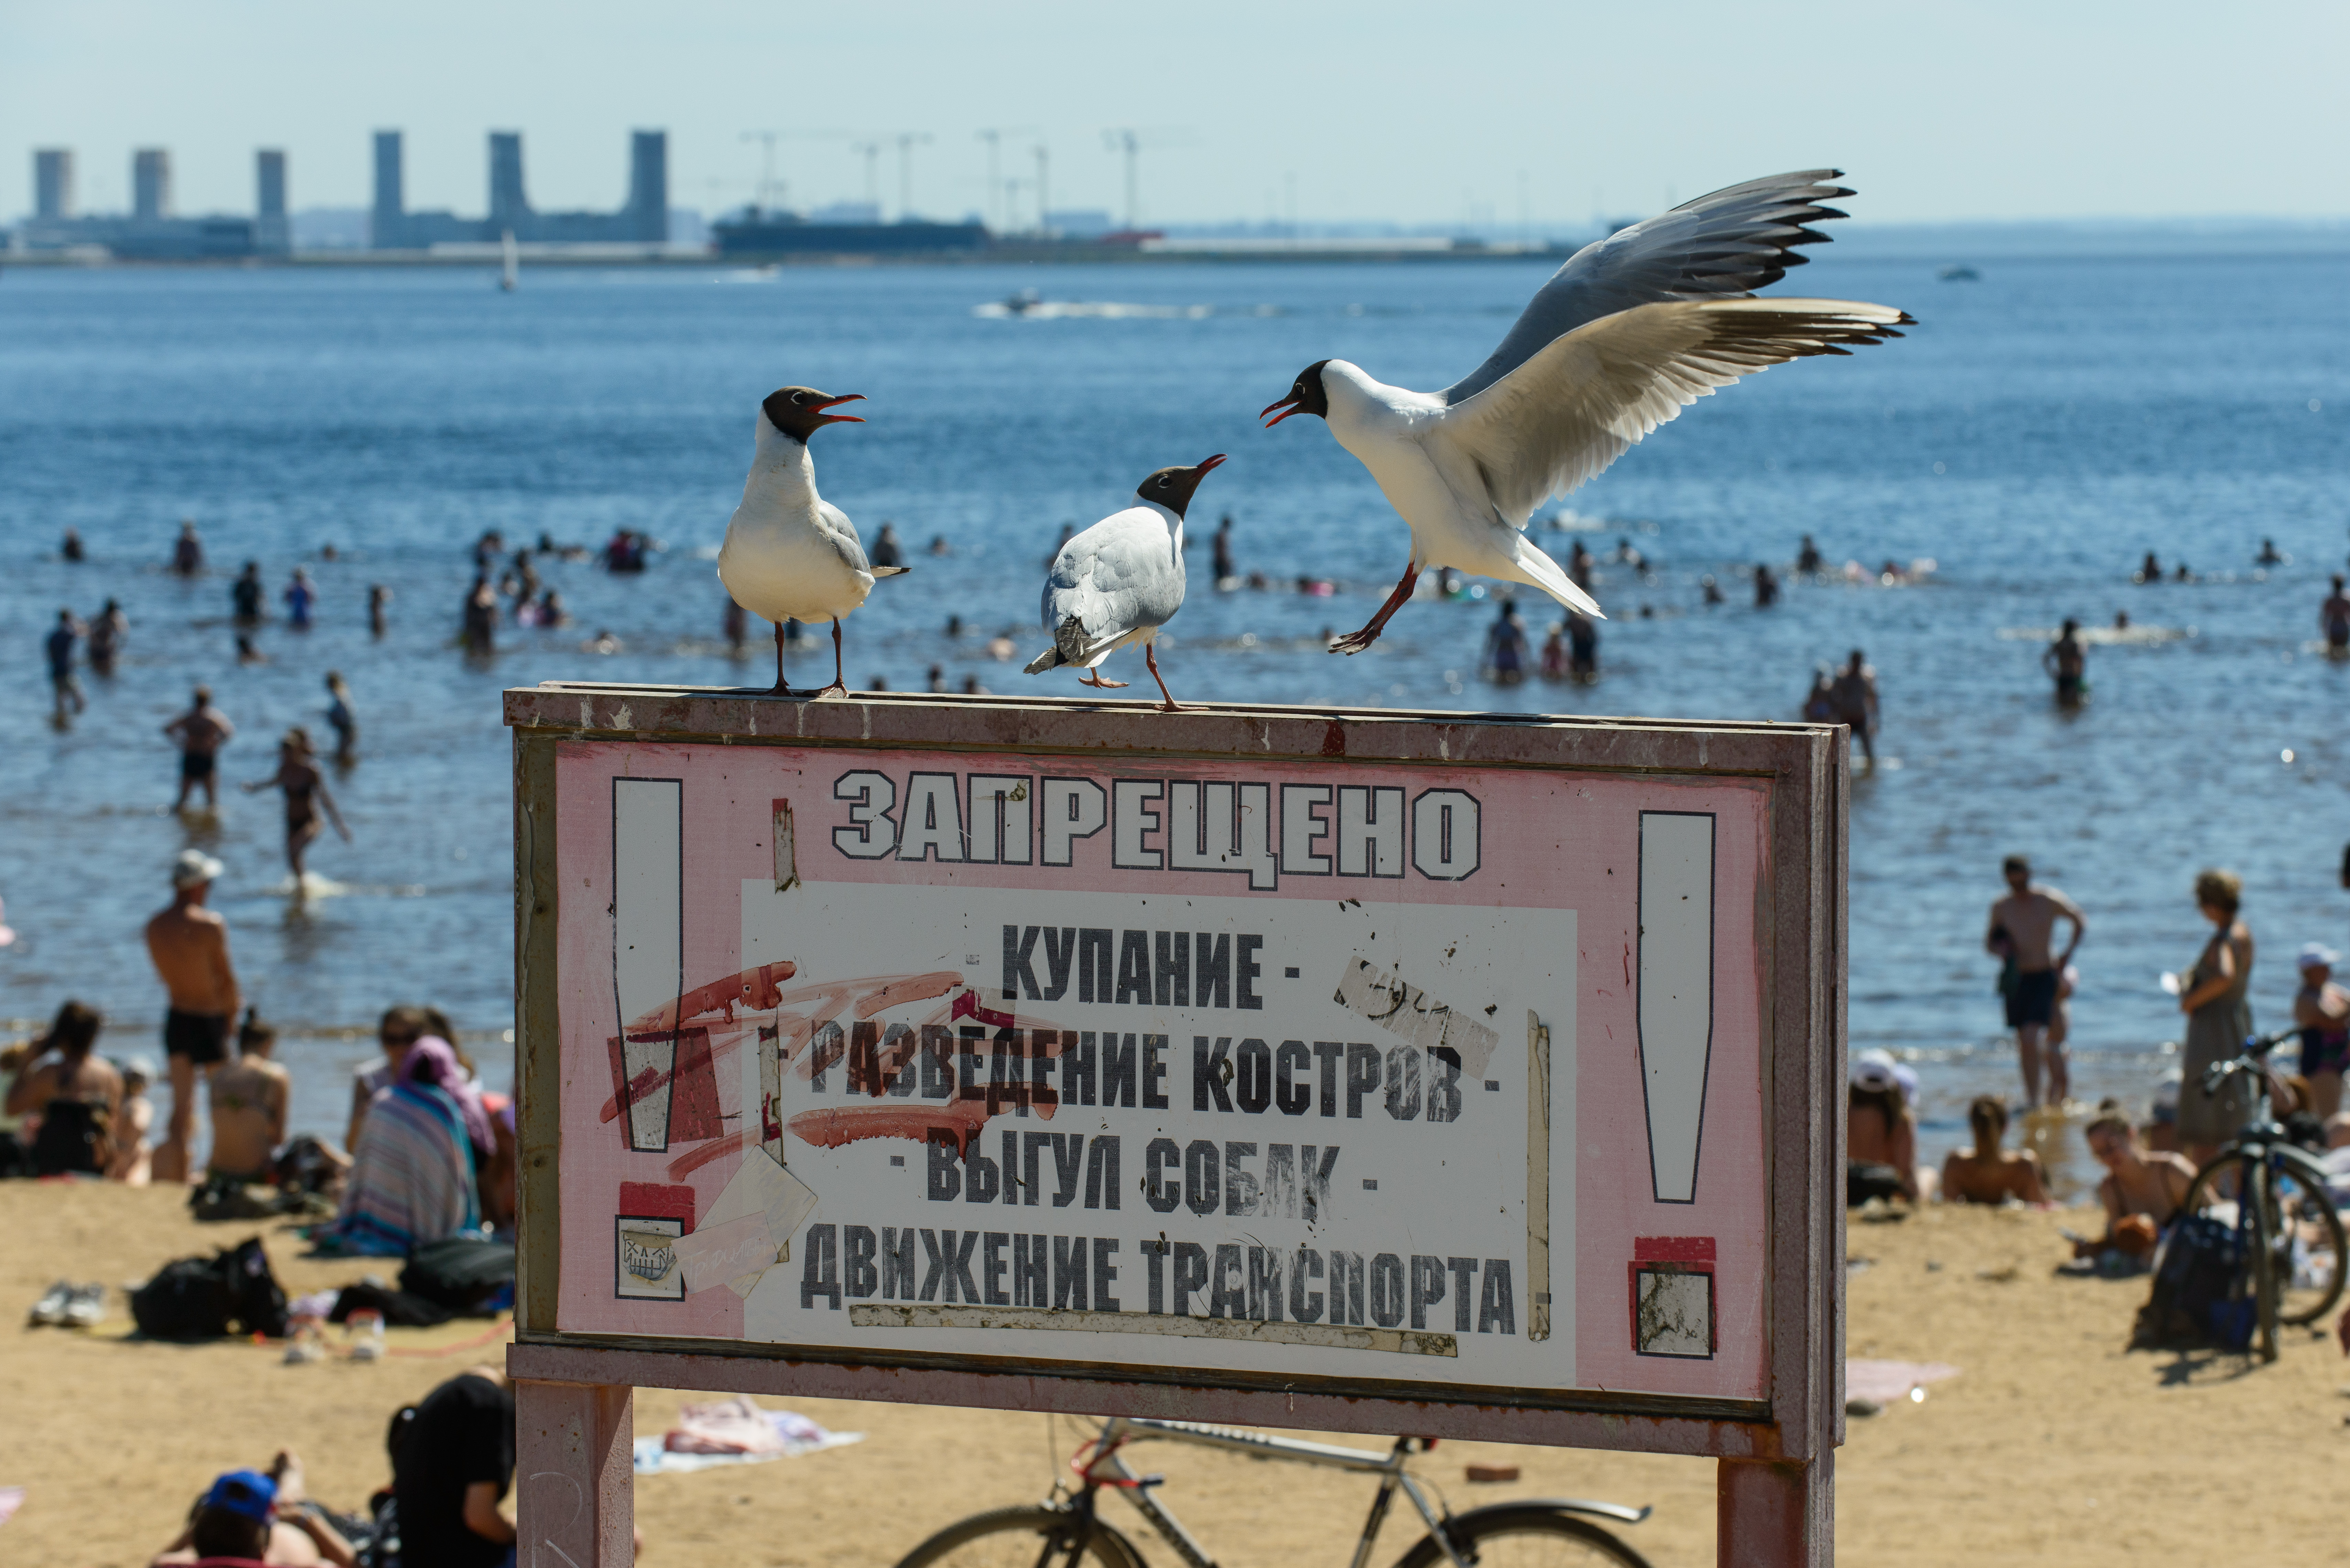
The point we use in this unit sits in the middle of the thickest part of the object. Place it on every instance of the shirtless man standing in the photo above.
(189, 944)
(200, 733)
(2334, 620)
(248, 1102)
(2023, 929)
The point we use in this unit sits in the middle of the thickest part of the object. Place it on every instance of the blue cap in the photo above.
(247, 1494)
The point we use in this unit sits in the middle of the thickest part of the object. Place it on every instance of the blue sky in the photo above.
(1421, 113)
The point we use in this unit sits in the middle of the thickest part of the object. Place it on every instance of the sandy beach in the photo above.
(2051, 1443)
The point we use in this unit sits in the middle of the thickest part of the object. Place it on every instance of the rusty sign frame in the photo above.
(1775, 1489)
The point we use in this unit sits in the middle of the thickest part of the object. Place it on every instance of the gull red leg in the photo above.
(1151, 658)
(1355, 642)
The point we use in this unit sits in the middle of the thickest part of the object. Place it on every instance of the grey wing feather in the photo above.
(844, 536)
(1119, 575)
(1722, 245)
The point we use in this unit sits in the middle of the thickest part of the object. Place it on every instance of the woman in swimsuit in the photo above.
(1992, 1173)
(306, 790)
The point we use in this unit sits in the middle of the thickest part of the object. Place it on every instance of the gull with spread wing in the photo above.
(1121, 579)
(791, 555)
(1630, 331)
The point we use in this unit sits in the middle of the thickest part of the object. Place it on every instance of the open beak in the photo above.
(1201, 467)
(836, 402)
(1288, 406)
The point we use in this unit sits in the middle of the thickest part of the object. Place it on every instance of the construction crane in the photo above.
(771, 191)
(907, 142)
(871, 153)
(997, 213)
(1130, 140)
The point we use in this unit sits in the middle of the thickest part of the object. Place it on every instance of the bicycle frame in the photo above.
(1105, 1466)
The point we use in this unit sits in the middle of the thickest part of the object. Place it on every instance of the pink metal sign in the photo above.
(1334, 1071)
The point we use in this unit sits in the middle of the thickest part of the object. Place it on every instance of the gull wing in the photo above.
(841, 535)
(1723, 246)
(1577, 405)
(1120, 576)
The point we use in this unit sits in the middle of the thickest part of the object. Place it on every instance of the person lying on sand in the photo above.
(249, 1517)
(1992, 1173)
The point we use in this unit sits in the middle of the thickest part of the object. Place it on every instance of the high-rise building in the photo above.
(388, 230)
(52, 182)
(269, 183)
(509, 206)
(647, 210)
(150, 182)
(272, 231)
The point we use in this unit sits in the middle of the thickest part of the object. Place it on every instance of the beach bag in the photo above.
(199, 1298)
(460, 1274)
(2196, 1302)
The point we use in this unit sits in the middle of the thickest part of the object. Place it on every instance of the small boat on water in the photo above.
(1959, 273)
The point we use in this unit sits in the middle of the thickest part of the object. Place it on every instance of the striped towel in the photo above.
(411, 1177)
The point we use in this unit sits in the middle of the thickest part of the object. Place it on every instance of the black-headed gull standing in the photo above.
(1630, 332)
(791, 555)
(1121, 579)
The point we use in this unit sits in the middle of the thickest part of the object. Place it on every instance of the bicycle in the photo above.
(2281, 1210)
(1066, 1529)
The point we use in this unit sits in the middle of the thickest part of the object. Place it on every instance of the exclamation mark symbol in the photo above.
(1676, 992)
(647, 945)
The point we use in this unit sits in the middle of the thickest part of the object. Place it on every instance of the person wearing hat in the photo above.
(1880, 1131)
(2323, 1010)
(249, 1520)
(188, 945)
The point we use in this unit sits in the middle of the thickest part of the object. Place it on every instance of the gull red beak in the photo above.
(1288, 406)
(841, 419)
(1201, 467)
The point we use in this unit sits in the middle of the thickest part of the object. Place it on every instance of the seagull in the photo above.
(791, 555)
(1121, 579)
(1630, 331)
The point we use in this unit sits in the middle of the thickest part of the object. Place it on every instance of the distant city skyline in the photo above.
(1508, 111)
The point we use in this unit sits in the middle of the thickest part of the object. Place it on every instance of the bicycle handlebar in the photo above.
(2248, 1060)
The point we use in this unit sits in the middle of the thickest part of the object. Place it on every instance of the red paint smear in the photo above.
(717, 1148)
(967, 1006)
(653, 1201)
(1673, 1249)
(830, 1128)
(920, 988)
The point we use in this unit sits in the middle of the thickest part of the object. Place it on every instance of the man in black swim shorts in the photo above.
(189, 944)
(2023, 928)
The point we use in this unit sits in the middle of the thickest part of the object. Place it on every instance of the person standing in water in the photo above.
(344, 721)
(105, 635)
(1807, 559)
(2334, 620)
(377, 596)
(2021, 934)
(1225, 571)
(1766, 585)
(200, 733)
(2068, 662)
(188, 551)
(246, 595)
(481, 619)
(1854, 694)
(306, 790)
(63, 639)
(188, 945)
(299, 596)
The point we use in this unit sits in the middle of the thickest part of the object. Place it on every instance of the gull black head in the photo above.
(798, 411)
(1305, 396)
(1172, 487)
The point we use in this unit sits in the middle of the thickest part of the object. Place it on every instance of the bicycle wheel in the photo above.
(1034, 1537)
(2312, 1245)
(1524, 1535)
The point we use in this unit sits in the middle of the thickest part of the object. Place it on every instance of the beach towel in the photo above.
(411, 1175)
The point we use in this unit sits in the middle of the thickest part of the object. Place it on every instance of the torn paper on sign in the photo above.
(775, 1201)
(1407, 1011)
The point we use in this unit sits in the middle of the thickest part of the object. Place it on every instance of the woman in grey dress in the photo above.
(2219, 1019)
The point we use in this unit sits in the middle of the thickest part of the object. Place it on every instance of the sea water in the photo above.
(2033, 437)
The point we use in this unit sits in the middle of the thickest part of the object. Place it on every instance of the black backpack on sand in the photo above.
(460, 1273)
(199, 1298)
(2198, 1302)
